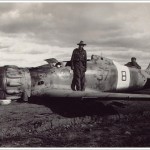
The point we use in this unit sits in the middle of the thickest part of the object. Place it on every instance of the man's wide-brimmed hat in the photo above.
(81, 43)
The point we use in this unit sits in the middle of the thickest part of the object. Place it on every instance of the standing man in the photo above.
(79, 66)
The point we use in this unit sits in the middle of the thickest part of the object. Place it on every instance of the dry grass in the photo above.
(31, 125)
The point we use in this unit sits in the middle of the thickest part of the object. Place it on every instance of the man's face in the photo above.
(81, 46)
(133, 60)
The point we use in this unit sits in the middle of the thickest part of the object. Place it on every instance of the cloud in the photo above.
(36, 31)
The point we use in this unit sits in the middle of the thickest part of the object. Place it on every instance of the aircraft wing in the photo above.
(105, 96)
(144, 91)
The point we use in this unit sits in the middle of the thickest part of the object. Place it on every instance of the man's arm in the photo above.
(136, 64)
(85, 60)
(72, 59)
(128, 64)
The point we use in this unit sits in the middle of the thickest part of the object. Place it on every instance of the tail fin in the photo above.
(147, 85)
(148, 69)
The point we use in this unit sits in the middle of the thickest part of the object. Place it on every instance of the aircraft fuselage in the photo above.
(102, 75)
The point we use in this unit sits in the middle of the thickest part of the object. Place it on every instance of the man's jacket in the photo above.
(79, 59)
(133, 64)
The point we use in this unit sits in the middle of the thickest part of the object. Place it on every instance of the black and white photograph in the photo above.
(74, 74)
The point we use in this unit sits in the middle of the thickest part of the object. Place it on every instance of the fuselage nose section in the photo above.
(13, 82)
(2, 83)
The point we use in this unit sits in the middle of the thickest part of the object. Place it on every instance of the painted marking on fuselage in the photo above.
(123, 81)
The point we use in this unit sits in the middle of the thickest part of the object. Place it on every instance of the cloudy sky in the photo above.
(32, 32)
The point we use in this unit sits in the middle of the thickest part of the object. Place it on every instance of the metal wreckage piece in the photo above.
(105, 79)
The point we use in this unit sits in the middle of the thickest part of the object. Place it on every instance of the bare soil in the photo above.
(70, 125)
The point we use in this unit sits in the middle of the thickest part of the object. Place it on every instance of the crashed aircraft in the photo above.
(105, 79)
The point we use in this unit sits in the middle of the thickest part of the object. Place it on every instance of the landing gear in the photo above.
(24, 97)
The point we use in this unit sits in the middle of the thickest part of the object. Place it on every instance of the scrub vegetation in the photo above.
(37, 125)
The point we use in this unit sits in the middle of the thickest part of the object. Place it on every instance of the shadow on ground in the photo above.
(73, 107)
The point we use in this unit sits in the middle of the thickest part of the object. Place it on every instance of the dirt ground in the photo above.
(70, 125)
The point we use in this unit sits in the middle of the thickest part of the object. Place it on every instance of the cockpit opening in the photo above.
(40, 82)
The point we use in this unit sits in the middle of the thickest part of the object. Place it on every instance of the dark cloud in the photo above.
(58, 23)
(53, 29)
(5, 7)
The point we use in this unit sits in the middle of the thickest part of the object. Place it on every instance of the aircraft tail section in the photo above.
(148, 69)
(147, 85)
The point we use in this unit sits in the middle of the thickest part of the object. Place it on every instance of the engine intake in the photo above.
(14, 82)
